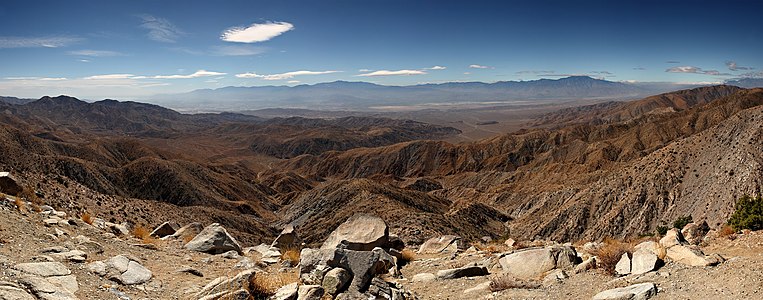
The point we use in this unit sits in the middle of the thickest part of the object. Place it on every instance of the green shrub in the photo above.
(662, 230)
(748, 214)
(681, 222)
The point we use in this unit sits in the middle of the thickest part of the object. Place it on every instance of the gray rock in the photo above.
(135, 274)
(554, 277)
(288, 239)
(189, 270)
(336, 281)
(672, 238)
(192, 229)
(117, 229)
(44, 269)
(640, 291)
(224, 284)
(8, 184)
(97, 267)
(54, 249)
(586, 265)
(271, 256)
(482, 288)
(360, 232)
(46, 290)
(363, 265)
(534, 262)
(230, 255)
(8, 292)
(694, 233)
(644, 261)
(445, 243)
(286, 292)
(73, 255)
(68, 282)
(214, 239)
(653, 247)
(165, 229)
(118, 263)
(423, 277)
(623, 267)
(310, 292)
(470, 270)
(692, 256)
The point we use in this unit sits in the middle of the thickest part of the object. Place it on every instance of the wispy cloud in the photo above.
(672, 62)
(199, 73)
(695, 70)
(393, 73)
(282, 76)
(639, 68)
(733, 66)
(95, 53)
(480, 67)
(437, 68)
(601, 72)
(111, 76)
(535, 72)
(38, 42)
(242, 50)
(293, 81)
(256, 32)
(160, 30)
(37, 78)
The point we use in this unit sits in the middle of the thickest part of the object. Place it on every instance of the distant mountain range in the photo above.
(364, 96)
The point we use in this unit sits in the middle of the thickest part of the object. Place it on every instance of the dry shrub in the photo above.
(20, 204)
(506, 281)
(87, 218)
(144, 234)
(27, 192)
(408, 255)
(291, 255)
(609, 254)
(725, 231)
(263, 285)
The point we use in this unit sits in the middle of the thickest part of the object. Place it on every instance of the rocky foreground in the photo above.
(49, 254)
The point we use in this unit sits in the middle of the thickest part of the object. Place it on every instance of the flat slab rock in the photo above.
(641, 291)
(44, 269)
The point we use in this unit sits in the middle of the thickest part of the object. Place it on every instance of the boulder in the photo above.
(482, 288)
(510, 242)
(165, 229)
(8, 184)
(644, 261)
(554, 277)
(470, 270)
(533, 262)
(445, 243)
(13, 292)
(271, 256)
(692, 256)
(135, 274)
(288, 239)
(653, 247)
(310, 292)
(623, 267)
(672, 237)
(45, 289)
(44, 269)
(117, 229)
(423, 277)
(222, 285)
(586, 265)
(191, 229)
(363, 265)
(336, 281)
(641, 291)
(360, 232)
(694, 233)
(214, 239)
(286, 292)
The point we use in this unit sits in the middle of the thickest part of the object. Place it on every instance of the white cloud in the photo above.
(237, 50)
(37, 42)
(365, 70)
(438, 68)
(695, 70)
(160, 30)
(255, 32)
(467, 73)
(393, 73)
(95, 53)
(110, 76)
(199, 73)
(282, 76)
(293, 81)
(84, 60)
(479, 67)
(733, 66)
(37, 78)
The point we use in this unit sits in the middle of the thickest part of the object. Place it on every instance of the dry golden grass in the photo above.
(291, 255)
(506, 281)
(725, 231)
(610, 253)
(408, 255)
(20, 204)
(144, 234)
(263, 285)
(27, 192)
(187, 238)
(87, 218)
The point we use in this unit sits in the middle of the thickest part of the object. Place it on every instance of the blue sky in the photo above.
(134, 49)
